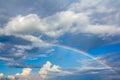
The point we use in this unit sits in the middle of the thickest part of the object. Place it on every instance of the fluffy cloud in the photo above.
(25, 72)
(69, 21)
(25, 75)
(52, 26)
(1, 75)
(100, 12)
(102, 30)
(48, 68)
(10, 77)
(23, 24)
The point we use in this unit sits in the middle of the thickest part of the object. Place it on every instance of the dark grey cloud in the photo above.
(13, 40)
(86, 41)
(22, 65)
(14, 51)
(112, 59)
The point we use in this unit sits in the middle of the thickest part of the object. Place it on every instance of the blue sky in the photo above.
(64, 38)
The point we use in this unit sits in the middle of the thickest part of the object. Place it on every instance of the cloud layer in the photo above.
(83, 23)
(69, 21)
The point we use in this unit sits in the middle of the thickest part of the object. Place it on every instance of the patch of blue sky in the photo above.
(107, 49)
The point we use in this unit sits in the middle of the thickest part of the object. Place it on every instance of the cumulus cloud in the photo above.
(25, 75)
(1, 75)
(25, 72)
(48, 67)
(52, 26)
(69, 21)
(10, 77)
(23, 24)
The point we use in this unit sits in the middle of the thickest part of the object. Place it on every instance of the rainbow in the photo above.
(83, 53)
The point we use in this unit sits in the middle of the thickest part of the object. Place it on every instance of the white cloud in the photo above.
(48, 68)
(52, 26)
(89, 5)
(23, 47)
(76, 19)
(6, 59)
(1, 75)
(56, 25)
(19, 53)
(101, 13)
(25, 72)
(25, 75)
(10, 77)
(65, 22)
(102, 30)
(87, 68)
(81, 5)
(23, 24)
(31, 38)
(1, 31)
